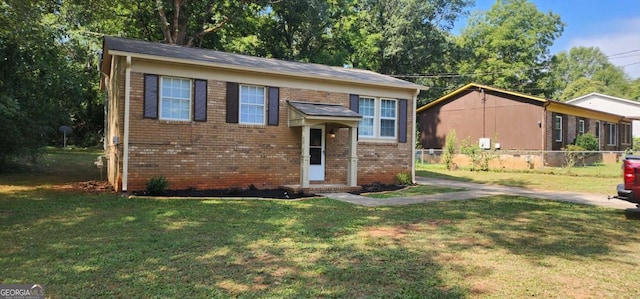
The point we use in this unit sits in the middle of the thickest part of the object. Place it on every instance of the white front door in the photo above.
(316, 151)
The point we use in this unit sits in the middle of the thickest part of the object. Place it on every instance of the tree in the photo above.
(406, 36)
(508, 46)
(583, 70)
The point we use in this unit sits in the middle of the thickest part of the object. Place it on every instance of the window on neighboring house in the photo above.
(557, 129)
(379, 118)
(626, 133)
(612, 134)
(175, 99)
(580, 126)
(252, 104)
(598, 130)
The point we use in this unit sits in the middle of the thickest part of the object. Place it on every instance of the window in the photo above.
(388, 118)
(557, 129)
(368, 112)
(379, 118)
(598, 130)
(175, 99)
(612, 134)
(252, 104)
(626, 133)
(580, 126)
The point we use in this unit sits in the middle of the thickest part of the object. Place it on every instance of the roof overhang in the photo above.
(309, 114)
(327, 73)
(579, 111)
(475, 86)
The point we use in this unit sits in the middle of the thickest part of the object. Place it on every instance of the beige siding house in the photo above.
(207, 120)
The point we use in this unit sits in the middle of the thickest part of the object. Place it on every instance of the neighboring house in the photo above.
(207, 120)
(516, 121)
(602, 102)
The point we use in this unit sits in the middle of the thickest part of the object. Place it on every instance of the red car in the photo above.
(630, 190)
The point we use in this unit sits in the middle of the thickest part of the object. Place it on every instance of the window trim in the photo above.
(581, 126)
(378, 118)
(395, 119)
(161, 98)
(373, 129)
(555, 128)
(626, 133)
(264, 105)
(612, 131)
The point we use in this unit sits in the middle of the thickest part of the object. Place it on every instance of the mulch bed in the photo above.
(280, 193)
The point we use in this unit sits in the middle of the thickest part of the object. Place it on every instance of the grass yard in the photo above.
(413, 191)
(103, 245)
(601, 179)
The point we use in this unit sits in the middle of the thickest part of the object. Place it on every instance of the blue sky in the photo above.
(613, 26)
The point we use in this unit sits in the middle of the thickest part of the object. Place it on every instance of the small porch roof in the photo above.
(308, 114)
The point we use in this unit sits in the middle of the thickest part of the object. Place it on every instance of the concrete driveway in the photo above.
(474, 190)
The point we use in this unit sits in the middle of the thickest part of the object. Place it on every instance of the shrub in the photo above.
(157, 185)
(449, 149)
(404, 178)
(573, 153)
(479, 158)
(587, 141)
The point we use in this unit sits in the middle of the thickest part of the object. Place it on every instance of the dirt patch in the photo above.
(388, 232)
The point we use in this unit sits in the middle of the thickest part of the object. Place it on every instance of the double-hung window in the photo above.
(175, 99)
(379, 118)
(557, 129)
(252, 105)
(581, 126)
(368, 112)
(625, 133)
(388, 117)
(612, 134)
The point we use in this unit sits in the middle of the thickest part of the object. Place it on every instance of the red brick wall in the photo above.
(215, 154)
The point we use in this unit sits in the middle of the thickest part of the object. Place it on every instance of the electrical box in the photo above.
(485, 143)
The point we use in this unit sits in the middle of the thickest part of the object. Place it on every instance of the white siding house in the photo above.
(614, 105)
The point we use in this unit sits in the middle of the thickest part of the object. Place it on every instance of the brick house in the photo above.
(208, 120)
(518, 121)
(611, 104)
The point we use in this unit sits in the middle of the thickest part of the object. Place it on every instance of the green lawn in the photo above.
(413, 191)
(81, 245)
(601, 179)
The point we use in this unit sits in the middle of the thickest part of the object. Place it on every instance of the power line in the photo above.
(458, 75)
(626, 56)
(621, 53)
(634, 63)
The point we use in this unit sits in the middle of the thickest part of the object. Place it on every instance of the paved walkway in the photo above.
(474, 190)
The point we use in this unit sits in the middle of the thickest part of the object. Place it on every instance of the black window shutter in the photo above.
(274, 106)
(402, 121)
(150, 96)
(233, 102)
(354, 103)
(200, 100)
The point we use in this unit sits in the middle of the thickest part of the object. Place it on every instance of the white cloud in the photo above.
(624, 36)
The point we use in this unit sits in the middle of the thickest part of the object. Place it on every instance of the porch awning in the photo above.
(309, 114)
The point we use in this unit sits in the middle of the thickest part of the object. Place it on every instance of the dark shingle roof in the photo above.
(318, 109)
(268, 65)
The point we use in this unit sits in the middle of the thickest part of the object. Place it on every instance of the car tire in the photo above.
(632, 213)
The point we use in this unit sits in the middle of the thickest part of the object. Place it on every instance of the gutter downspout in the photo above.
(127, 101)
(543, 132)
(413, 137)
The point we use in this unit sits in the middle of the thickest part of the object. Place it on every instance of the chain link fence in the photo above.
(522, 159)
